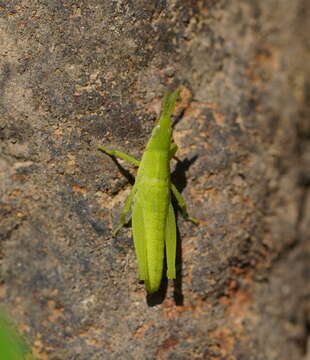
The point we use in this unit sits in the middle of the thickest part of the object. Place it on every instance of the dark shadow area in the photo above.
(177, 282)
(158, 297)
(178, 178)
(123, 171)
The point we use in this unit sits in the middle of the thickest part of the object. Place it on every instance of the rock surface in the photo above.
(78, 73)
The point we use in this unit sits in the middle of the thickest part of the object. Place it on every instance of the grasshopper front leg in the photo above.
(182, 204)
(173, 150)
(128, 201)
(120, 154)
(125, 211)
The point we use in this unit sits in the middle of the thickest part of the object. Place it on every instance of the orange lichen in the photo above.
(78, 189)
(56, 312)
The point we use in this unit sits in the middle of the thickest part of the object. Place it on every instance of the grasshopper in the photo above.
(153, 219)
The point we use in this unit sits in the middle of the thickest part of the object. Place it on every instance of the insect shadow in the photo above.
(178, 178)
(123, 171)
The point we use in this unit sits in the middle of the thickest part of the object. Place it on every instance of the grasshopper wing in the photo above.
(138, 228)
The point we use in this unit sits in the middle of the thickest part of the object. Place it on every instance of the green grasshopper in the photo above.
(153, 220)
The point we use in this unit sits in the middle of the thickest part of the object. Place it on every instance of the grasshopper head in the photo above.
(162, 133)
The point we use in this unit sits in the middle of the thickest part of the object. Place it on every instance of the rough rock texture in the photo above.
(78, 73)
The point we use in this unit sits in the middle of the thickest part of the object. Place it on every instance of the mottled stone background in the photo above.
(77, 73)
